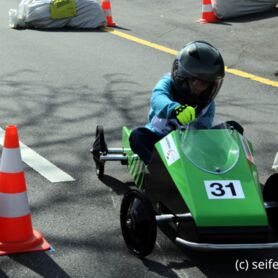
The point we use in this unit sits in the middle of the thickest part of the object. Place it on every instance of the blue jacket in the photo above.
(163, 102)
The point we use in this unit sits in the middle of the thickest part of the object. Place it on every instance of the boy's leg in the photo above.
(142, 142)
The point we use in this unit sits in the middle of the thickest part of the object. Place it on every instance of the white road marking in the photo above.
(39, 163)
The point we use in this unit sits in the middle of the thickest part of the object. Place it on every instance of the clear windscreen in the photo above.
(212, 149)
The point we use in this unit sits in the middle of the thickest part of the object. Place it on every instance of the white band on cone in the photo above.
(14, 205)
(207, 8)
(11, 161)
(107, 12)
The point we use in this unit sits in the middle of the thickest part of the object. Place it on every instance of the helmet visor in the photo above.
(212, 90)
(198, 92)
(197, 86)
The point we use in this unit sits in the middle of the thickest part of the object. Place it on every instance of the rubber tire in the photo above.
(100, 170)
(100, 133)
(270, 194)
(138, 223)
(99, 146)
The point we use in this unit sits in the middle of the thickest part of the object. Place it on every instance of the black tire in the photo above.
(237, 126)
(270, 189)
(138, 223)
(100, 170)
(99, 148)
(270, 194)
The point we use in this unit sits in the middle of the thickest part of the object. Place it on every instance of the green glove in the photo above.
(185, 114)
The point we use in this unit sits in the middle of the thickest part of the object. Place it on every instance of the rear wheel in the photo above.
(138, 223)
(270, 194)
(99, 148)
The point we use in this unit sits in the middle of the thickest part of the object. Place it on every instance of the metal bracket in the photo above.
(212, 246)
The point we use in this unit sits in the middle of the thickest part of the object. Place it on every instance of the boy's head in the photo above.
(198, 72)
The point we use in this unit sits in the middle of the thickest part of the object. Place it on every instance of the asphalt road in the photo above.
(56, 86)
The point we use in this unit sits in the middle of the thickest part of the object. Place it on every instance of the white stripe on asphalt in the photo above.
(40, 164)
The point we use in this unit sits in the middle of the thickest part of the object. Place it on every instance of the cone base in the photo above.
(208, 20)
(109, 21)
(203, 21)
(36, 243)
(112, 24)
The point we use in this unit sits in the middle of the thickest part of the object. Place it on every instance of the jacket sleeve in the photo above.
(162, 103)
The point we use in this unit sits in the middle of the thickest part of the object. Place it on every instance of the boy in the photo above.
(185, 95)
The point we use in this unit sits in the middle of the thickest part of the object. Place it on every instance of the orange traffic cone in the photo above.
(106, 6)
(16, 232)
(208, 15)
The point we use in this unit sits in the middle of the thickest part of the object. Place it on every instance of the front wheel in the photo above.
(270, 194)
(138, 223)
(99, 148)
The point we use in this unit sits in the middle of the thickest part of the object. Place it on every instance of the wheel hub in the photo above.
(129, 223)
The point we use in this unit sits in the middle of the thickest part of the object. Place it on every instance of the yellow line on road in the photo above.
(141, 41)
(252, 77)
(175, 52)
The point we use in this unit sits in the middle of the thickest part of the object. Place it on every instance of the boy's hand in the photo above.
(185, 114)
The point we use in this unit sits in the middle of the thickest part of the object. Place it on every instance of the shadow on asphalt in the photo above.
(3, 274)
(248, 18)
(253, 17)
(159, 268)
(224, 263)
(41, 263)
(73, 30)
(116, 185)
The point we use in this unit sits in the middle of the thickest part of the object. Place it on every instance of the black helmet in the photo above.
(198, 73)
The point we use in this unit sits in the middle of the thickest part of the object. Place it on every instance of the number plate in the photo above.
(224, 189)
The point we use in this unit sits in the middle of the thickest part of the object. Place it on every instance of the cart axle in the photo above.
(115, 157)
(172, 217)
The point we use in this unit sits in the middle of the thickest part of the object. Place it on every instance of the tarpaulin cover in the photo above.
(44, 14)
(233, 8)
